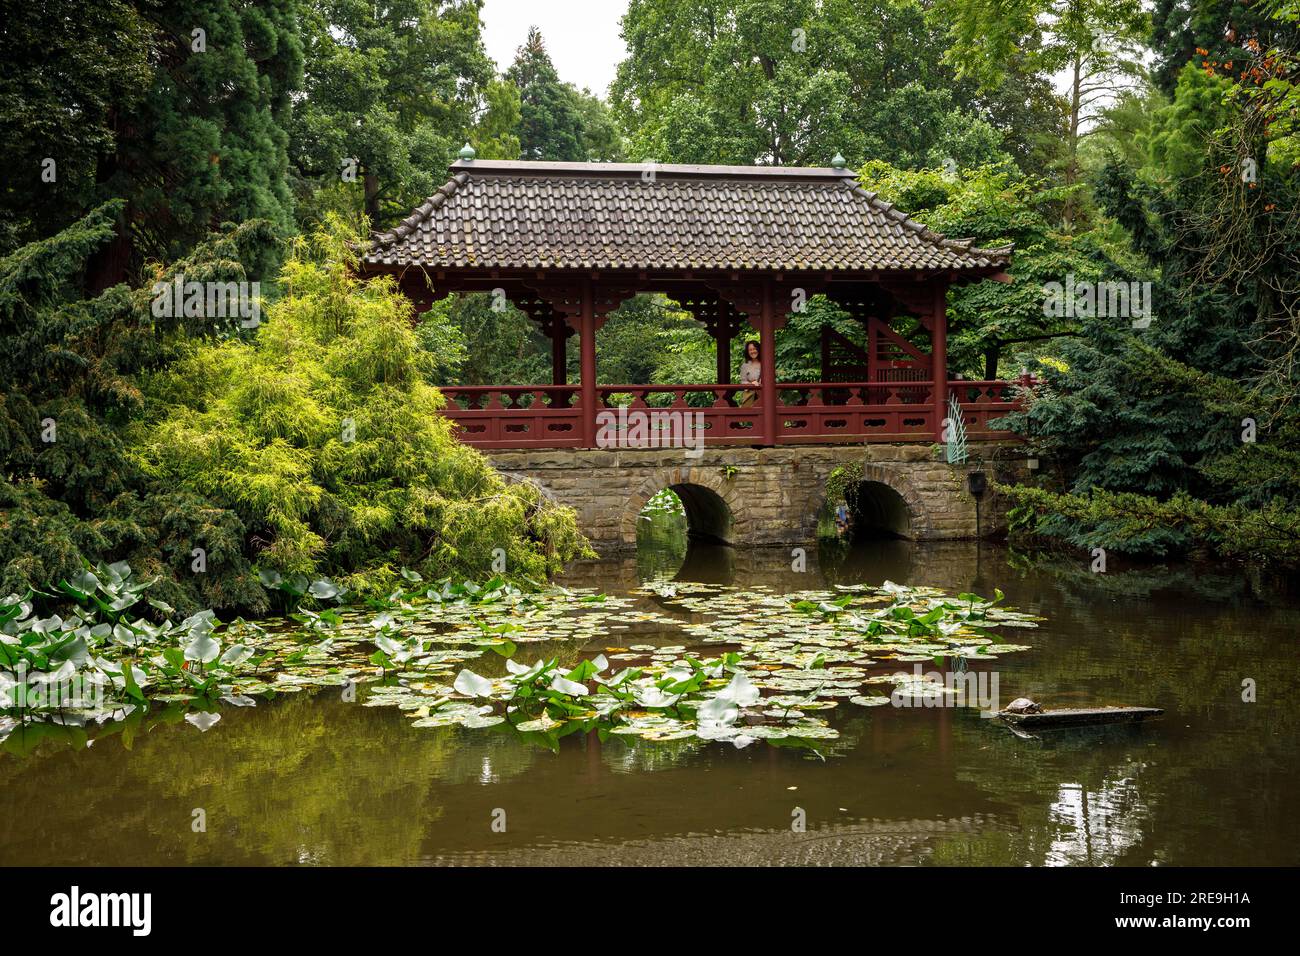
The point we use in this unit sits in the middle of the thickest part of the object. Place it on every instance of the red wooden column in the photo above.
(767, 363)
(587, 365)
(723, 339)
(559, 353)
(939, 357)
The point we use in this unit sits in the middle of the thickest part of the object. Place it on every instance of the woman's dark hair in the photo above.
(757, 351)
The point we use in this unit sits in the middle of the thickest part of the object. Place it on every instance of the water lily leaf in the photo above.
(204, 649)
(472, 685)
(323, 590)
(740, 691)
(236, 654)
(717, 710)
(565, 686)
(203, 720)
(539, 725)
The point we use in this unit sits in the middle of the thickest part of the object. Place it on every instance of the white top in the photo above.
(750, 372)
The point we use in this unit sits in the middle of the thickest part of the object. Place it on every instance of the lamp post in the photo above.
(977, 483)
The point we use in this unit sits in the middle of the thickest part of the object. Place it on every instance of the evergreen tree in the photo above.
(1218, 29)
(551, 122)
(323, 435)
(62, 101)
(496, 133)
(207, 143)
(69, 490)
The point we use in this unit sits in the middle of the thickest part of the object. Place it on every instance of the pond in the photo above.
(311, 778)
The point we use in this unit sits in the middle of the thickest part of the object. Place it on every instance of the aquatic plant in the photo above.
(784, 659)
(104, 657)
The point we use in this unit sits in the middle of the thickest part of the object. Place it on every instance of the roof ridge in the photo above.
(421, 212)
(925, 232)
(538, 168)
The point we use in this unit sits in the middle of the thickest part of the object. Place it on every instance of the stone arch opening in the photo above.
(708, 518)
(708, 505)
(878, 511)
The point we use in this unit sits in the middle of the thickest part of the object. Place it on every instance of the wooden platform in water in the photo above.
(1081, 717)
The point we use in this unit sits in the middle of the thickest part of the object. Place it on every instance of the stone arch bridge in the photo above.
(769, 496)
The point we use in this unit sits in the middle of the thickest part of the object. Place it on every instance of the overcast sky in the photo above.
(581, 35)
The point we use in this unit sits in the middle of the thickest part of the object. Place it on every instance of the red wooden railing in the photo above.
(508, 416)
(550, 416)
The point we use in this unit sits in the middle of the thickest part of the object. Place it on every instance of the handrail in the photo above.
(482, 389)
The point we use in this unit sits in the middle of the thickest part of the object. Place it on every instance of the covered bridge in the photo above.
(733, 245)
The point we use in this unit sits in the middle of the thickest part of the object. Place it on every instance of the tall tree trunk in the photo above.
(991, 355)
(372, 198)
(111, 263)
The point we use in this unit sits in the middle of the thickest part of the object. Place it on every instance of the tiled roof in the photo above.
(522, 215)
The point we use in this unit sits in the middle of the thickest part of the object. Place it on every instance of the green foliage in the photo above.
(496, 345)
(69, 488)
(54, 66)
(496, 134)
(792, 83)
(996, 207)
(986, 35)
(633, 343)
(207, 144)
(1270, 533)
(1221, 28)
(1157, 418)
(391, 92)
(323, 435)
(550, 126)
(557, 121)
(1176, 142)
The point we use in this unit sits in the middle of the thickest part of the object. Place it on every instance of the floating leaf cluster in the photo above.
(675, 660)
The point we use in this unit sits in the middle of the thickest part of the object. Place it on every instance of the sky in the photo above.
(581, 36)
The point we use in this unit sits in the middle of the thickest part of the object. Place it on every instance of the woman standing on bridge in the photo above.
(751, 373)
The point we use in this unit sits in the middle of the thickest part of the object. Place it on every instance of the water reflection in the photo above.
(317, 780)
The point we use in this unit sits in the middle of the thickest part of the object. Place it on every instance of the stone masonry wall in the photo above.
(774, 494)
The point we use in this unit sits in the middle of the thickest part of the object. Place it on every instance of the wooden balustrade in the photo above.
(676, 412)
(509, 416)
(983, 402)
(551, 416)
(854, 411)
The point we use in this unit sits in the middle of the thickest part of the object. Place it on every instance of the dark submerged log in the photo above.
(1080, 717)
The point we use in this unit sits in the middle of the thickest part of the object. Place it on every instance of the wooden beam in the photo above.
(587, 365)
(939, 357)
(723, 340)
(559, 353)
(767, 364)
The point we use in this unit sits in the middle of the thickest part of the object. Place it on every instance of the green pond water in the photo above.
(311, 779)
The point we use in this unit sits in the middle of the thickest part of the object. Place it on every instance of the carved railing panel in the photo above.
(656, 416)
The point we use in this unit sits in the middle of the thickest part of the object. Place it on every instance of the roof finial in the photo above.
(839, 162)
(467, 152)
